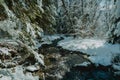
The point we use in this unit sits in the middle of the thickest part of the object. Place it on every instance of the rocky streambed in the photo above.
(21, 63)
(62, 64)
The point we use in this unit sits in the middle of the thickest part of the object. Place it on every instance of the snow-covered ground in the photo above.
(16, 73)
(4, 51)
(47, 39)
(100, 51)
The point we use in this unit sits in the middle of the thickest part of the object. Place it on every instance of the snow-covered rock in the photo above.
(116, 66)
(83, 64)
(117, 73)
(47, 39)
(4, 51)
(32, 68)
(16, 73)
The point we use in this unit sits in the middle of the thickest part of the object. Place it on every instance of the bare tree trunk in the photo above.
(68, 15)
(82, 7)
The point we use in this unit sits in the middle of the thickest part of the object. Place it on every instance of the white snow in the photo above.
(117, 13)
(49, 38)
(9, 12)
(16, 73)
(118, 29)
(30, 29)
(39, 58)
(83, 64)
(4, 51)
(32, 68)
(39, 2)
(2, 77)
(100, 51)
(116, 66)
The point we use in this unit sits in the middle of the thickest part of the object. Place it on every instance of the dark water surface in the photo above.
(91, 74)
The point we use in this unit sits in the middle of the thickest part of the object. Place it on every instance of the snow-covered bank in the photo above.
(100, 51)
(16, 60)
(16, 73)
(47, 39)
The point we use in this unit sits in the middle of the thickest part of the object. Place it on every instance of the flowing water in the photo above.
(56, 55)
(95, 74)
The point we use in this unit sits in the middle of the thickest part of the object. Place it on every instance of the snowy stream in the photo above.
(93, 70)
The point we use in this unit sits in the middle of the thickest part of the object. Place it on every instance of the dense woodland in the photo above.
(59, 39)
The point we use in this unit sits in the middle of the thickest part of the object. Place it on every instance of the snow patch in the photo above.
(32, 68)
(116, 66)
(16, 73)
(83, 64)
(47, 39)
(100, 51)
(2, 77)
(4, 51)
